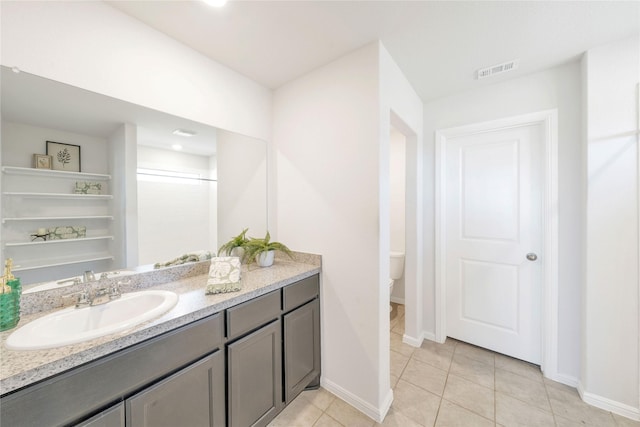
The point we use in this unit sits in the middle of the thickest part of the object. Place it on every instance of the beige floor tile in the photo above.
(449, 343)
(438, 355)
(393, 380)
(320, 398)
(399, 327)
(299, 413)
(476, 353)
(532, 392)
(425, 376)
(625, 422)
(554, 385)
(452, 415)
(347, 415)
(513, 412)
(393, 322)
(398, 346)
(566, 403)
(470, 396)
(520, 367)
(397, 419)
(398, 363)
(564, 422)
(326, 421)
(415, 403)
(472, 370)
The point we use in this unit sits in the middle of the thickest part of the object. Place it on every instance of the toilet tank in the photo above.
(396, 266)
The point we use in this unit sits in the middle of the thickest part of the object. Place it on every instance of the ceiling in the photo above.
(439, 45)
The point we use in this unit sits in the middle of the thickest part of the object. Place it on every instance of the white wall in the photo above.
(96, 47)
(554, 88)
(611, 358)
(331, 139)
(325, 128)
(173, 214)
(123, 144)
(21, 141)
(241, 187)
(397, 179)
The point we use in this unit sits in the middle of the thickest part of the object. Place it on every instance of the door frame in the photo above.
(549, 312)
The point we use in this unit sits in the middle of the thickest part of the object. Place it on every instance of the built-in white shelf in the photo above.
(23, 266)
(58, 195)
(28, 192)
(58, 218)
(58, 241)
(54, 173)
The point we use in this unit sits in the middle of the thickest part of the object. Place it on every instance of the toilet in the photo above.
(396, 269)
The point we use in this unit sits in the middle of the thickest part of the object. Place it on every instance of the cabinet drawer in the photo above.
(73, 395)
(252, 314)
(298, 293)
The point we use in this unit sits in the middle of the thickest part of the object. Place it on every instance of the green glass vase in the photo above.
(10, 305)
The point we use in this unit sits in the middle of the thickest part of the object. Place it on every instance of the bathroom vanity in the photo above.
(232, 359)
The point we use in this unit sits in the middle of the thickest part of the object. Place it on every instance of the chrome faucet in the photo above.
(89, 297)
(88, 276)
(100, 296)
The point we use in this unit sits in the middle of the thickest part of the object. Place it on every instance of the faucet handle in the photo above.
(114, 291)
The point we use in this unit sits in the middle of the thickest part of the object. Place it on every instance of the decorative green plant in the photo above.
(237, 242)
(254, 247)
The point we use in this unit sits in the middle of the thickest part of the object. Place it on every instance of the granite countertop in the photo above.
(21, 368)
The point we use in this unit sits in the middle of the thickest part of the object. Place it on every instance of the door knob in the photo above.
(531, 256)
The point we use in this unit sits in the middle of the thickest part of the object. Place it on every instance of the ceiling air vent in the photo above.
(497, 69)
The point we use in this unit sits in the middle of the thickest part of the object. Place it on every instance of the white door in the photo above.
(493, 225)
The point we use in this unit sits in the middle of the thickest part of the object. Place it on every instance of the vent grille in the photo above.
(497, 69)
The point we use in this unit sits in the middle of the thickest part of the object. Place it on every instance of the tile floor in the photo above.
(455, 384)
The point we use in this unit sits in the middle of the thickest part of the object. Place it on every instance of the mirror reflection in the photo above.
(152, 187)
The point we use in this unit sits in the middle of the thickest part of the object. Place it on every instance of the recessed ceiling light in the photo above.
(183, 132)
(177, 147)
(215, 3)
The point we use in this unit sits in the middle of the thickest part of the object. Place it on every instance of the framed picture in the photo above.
(64, 157)
(41, 161)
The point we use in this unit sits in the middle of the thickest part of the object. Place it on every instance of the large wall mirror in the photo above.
(152, 187)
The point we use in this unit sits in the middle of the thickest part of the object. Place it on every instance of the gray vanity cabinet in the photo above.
(192, 397)
(301, 348)
(255, 371)
(236, 368)
(254, 361)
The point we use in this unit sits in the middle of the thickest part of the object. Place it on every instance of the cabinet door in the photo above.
(301, 348)
(112, 417)
(254, 366)
(193, 397)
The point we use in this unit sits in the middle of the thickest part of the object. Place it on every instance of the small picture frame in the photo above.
(64, 157)
(42, 161)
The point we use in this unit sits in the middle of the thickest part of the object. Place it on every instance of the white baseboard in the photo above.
(413, 341)
(397, 300)
(564, 379)
(608, 404)
(429, 336)
(377, 414)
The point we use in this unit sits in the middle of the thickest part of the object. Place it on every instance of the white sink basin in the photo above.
(73, 325)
